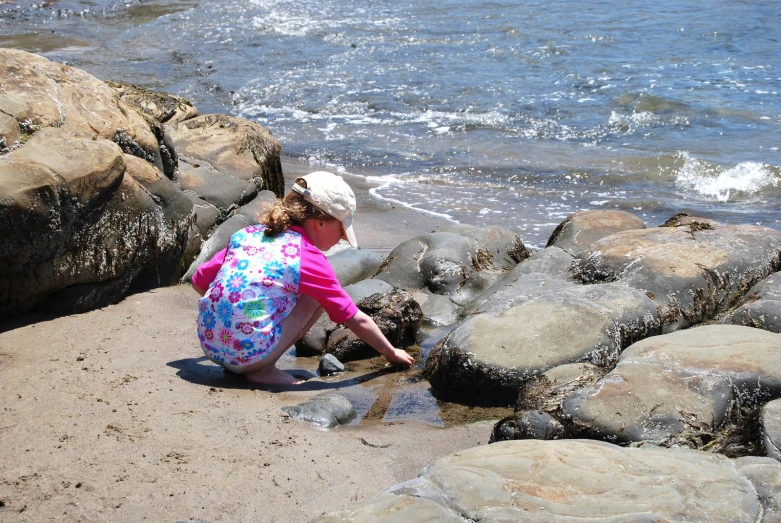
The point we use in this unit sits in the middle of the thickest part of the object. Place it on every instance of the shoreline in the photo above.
(379, 225)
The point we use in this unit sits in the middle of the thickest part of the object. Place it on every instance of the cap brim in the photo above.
(349, 235)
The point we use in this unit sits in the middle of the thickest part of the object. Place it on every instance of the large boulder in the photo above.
(697, 387)
(694, 269)
(566, 481)
(583, 228)
(77, 229)
(232, 146)
(531, 325)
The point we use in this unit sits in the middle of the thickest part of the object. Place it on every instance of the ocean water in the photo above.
(511, 113)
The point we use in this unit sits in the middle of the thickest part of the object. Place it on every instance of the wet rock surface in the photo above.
(326, 410)
(330, 365)
(522, 481)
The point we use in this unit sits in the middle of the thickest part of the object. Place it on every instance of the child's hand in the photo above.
(400, 357)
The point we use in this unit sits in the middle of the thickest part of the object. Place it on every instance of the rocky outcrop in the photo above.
(553, 309)
(460, 262)
(564, 481)
(694, 269)
(227, 144)
(700, 388)
(531, 325)
(91, 203)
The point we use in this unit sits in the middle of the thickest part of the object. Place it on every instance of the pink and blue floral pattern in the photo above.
(256, 288)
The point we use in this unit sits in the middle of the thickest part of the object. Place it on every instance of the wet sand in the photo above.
(116, 415)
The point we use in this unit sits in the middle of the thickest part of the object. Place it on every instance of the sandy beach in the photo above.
(116, 415)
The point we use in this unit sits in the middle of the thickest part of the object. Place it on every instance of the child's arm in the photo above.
(206, 272)
(365, 328)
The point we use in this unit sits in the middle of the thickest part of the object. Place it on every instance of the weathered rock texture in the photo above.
(566, 481)
(700, 388)
(581, 229)
(395, 312)
(771, 429)
(531, 325)
(459, 262)
(157, 105)
(234, 146)
(761, 307)
(694, 270)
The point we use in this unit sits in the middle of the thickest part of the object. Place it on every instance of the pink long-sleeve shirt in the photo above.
(317, 279)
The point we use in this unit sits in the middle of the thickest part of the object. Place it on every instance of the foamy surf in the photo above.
(723, 184)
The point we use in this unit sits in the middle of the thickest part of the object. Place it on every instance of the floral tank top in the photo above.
(239, 317)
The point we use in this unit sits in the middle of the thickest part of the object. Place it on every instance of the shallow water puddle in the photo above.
(381, 394)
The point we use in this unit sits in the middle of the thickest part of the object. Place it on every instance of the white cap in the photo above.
(330, 193)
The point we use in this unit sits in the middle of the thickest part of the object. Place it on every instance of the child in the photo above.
(272, 282)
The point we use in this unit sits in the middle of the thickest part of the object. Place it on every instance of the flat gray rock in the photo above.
(327, 410)
(685, 389)
(771, 429)
(575, 480)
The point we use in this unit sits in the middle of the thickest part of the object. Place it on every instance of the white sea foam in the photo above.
(719, 183)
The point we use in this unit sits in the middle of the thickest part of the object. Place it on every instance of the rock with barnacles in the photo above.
(693, 268)
(761, 306)
(577, 480)
(771, 429)
(396, 314)
(699, 388)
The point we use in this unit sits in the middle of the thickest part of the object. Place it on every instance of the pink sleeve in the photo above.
(318, 280)
(206, 272)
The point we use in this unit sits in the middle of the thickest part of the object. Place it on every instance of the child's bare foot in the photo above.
(272, 376)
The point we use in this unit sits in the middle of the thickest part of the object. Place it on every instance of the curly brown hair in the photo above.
(293, 209)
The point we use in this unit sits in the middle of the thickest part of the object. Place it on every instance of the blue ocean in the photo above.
(511, 113)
